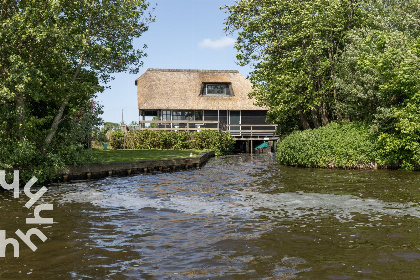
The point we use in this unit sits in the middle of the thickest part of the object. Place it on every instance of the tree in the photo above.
(294, 47)
(54, 55)
(385, 91)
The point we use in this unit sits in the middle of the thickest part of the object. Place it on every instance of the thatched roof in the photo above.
(176, 89)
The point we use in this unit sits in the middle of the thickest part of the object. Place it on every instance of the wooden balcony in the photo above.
(253, 132)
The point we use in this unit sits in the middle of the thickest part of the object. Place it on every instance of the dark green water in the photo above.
(239, 217)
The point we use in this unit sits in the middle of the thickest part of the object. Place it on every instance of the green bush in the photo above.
(343, 145)
(116, 139)
(221, 142)
(23, 156)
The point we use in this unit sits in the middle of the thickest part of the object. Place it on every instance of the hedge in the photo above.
(221, 142)
(342, 145)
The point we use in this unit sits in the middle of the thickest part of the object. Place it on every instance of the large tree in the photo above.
(54, 58)
(296, 46)
(293, 47)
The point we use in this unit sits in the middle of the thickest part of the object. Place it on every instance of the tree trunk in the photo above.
(59, 116)
(56, 122)
(302, 118)
(314, 116)
(324, 114)
(20, 111)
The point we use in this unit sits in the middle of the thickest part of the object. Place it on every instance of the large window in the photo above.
(183, 115)
(216, 89)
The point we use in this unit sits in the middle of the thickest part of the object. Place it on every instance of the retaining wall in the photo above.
(96, 171)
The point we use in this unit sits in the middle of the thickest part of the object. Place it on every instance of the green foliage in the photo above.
(385, 92)
(294, 47)
(116, 140)
(317, 61)
(403, 146)
(221, 142)
(53, 57)
(344, 145)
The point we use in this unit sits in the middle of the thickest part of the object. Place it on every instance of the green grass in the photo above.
(135, 155)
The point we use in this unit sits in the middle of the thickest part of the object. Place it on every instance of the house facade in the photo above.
(199, 99)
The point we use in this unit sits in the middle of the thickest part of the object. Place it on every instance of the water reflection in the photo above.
(240, 217)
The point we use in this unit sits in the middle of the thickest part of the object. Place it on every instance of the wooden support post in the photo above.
(89, 175)
(252, 146)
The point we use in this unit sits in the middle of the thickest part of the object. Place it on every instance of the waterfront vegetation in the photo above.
(55, 57)
(317, 65)
(220, 142)
(102, 155)
(318, 62)
(345, 145)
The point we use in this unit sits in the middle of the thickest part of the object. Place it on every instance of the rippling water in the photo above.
(239, 217)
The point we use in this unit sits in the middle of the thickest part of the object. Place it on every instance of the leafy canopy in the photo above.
(54, 58)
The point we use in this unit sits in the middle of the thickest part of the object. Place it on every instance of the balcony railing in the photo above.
(237, 130)
(192, 126)
(252, 131)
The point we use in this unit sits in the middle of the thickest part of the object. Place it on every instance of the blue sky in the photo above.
(187, 34)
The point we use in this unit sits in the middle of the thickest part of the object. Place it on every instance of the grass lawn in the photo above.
(134, 155)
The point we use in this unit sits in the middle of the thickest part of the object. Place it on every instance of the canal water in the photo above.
(239, 217)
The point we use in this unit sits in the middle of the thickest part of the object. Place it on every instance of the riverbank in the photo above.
(346, 145)
(101, 170)
(102, 155)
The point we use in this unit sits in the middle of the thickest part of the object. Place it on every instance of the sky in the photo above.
(186, 34)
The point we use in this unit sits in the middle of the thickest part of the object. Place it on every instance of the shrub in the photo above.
(221, 142)
(344, 145)
(116, 140)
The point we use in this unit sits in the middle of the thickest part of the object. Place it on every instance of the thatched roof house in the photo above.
(197, 95)
(169, 89)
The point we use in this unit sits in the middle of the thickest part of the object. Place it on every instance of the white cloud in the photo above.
(217, 44)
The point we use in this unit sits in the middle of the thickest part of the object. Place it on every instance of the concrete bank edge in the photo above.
(101, 170)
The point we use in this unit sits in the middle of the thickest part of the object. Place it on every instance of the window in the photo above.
(182, 115)
(198, 115)
(166, 115)
(216, 89)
